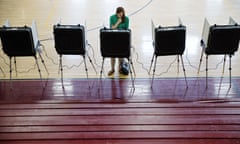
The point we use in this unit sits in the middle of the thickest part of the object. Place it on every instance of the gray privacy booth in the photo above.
(116, 43)
(21, 42)
(219, 40)
(167, 41)
(70, 40)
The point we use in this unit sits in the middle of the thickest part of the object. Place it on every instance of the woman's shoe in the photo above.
(110, 72)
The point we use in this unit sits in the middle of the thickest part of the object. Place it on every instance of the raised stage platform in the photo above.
(113, 112)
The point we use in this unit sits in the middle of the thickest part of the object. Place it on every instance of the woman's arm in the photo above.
(114, 26)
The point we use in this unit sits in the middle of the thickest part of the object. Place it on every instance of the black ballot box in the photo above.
(115, 43)
(223, 39)
(169, 40)
(17, 41)
(70, 39)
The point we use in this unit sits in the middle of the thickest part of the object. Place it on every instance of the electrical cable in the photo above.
(68, 67)
(27, 71)
(4, 60)
(167, 68)
(216, 67)
(95, 28)
(47, 39)
(72, 66)
(93, 54)
(51, 59)
(30, 69)
(194, 67)
(137, 59)
(94, 58)
(55, 63)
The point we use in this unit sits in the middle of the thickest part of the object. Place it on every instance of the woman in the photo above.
(118, 21)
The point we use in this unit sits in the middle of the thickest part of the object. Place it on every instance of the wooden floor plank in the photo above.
(169, 93)
(198, 120)
(115, 123)
(129, 141)
(119, 128)
(119, 135)
(111, 120)
(113, 105)
(123, 111)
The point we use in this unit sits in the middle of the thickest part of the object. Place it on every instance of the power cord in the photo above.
(47, 39)
(51, 59)
(94, 58)
(4, 60)
(72, 66)
(144, 68)
(30, 69)
(196, 68)
(217, 65)
(55, 63)
(27, 71)
(167, 68)
(95, 28)
(93, 54)
(137, 59)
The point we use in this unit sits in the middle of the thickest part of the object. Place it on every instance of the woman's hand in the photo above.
(117, 23)
(119, 20)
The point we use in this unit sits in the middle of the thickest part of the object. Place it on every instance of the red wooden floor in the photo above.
(112, 112)
(169, 89)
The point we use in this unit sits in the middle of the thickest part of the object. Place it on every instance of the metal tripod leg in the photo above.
(101, 71)
(84, 59)
(131, 64)
(130, 61)
(230, 69)
(39, 71)
(154, 69)
(178, 64)
(151, 64)
(15, 64)
(224, 60)
(184, 71)
(206, 71)
(90, 60)
(10, 66)
(43, 63)
(199, 66)
(61, 69)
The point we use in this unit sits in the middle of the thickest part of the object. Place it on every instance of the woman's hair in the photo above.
(119, 10)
